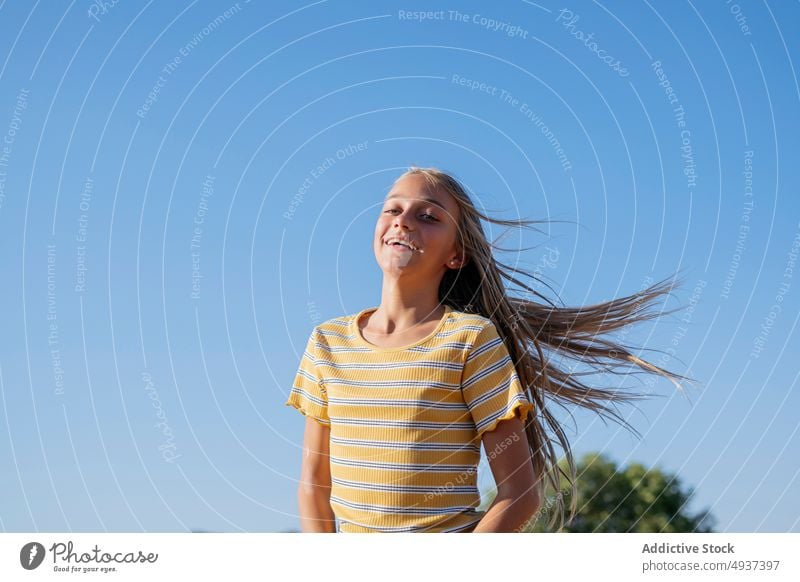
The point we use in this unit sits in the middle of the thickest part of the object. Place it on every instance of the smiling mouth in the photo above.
(403, 247)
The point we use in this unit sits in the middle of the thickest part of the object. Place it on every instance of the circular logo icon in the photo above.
(31, 555)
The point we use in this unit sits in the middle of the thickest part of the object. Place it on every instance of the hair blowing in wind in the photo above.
(532, 331)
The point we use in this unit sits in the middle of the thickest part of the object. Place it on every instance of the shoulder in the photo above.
(341, 323)
(336, 332)
(471, 328)
(330, 329)
(481, 336)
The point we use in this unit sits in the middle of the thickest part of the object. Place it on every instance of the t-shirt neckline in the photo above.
(356, 331)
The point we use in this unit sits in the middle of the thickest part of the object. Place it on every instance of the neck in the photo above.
(404, 305)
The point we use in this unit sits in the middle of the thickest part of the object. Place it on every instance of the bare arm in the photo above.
(509, 458)
(314, 490)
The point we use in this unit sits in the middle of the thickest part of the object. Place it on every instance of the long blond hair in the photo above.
(477, 287)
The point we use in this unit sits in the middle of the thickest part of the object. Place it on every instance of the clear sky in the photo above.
(187, 189)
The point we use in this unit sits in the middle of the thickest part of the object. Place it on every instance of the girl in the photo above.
(399, 398)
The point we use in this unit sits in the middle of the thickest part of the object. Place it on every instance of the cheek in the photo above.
(377, 237)
(383, 225)
(440, 234)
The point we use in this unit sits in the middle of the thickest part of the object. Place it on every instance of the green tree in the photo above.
(631, 500)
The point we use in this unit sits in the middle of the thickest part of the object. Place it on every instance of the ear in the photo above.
(457, 261)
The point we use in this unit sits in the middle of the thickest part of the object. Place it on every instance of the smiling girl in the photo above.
(400, 397)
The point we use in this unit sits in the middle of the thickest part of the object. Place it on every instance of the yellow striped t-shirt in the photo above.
(406, 423)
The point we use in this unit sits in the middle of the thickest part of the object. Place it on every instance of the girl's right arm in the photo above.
(314, 490)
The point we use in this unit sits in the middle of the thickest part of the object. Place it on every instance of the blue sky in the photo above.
(188, 188)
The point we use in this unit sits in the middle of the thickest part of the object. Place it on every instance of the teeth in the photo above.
(404, 243)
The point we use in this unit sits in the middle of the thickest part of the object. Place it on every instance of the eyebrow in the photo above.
(431, 200)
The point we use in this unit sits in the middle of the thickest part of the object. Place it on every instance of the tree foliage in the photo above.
(631, 500)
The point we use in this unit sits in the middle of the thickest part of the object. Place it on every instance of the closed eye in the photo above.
(428, 217)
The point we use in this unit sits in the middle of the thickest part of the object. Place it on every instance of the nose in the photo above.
(401, 221)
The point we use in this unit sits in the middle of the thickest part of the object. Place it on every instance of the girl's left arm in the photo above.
(510, 460)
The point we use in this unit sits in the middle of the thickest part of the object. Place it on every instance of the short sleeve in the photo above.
(490, 384)
(308, 393)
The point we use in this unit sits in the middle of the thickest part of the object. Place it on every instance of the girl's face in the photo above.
(426, 221)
